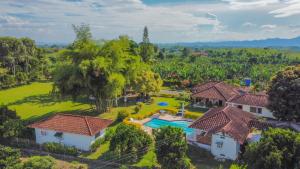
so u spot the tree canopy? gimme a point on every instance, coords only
(284, 94)
(10, 124)
(171, 148)
(21, 61)
(277, 149)
(101, 71)
(130, 142)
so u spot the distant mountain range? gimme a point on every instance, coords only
(275, 43)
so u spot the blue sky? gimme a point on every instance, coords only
(167, 20)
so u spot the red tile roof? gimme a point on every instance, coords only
(230, 120)
(84, 125)
(260, 100)
(214, 90)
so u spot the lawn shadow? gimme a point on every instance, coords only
(48, 100)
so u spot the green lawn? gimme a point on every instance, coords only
(35, 100)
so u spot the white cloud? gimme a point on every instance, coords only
(250, 4)
(249, 24)
(269, 26)
(292, 8)
(51, 20)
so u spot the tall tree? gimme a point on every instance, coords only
(171, 148)
(284, 94)
(277, 149)
(146, 48)
(146, 35)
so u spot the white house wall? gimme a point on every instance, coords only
(82, 142)
(265, 112)
(229, 150)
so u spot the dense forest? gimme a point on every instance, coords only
(185, 66)
(21, 62)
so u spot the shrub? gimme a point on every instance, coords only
(9, 157)
(136, 109)
(40, 162)
(109, 132)
(60, 149)
(77, 165)
(140, 104)
(97, 144)
(190, 115)
(122, 114)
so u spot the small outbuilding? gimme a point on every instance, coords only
(70, 130)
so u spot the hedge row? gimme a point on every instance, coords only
(60, 149)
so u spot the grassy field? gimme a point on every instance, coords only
(34, 100)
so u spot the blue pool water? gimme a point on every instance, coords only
(157, 123)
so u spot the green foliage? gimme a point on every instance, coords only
(236, 166)
(190, 115)
(9, 157)
(278, 148)
(60, 149)
(97, 144)
(284, 94)
(129, 140)
(147, 82)
(99, 71)
(39, 162)
(122, 114)
(146, 48)
(10, 124)
(20, 61)
(223, 64)
(171, 148)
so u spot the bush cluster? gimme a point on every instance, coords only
(122, 114)
(60, 149)
(190, 115)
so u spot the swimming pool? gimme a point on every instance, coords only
(157, 123)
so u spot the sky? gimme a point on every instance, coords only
(168, 21)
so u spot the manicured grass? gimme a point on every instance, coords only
(35, 100)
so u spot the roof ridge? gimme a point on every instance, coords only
(204, 118)
(220, 92)
(223, 110)
(88, 125)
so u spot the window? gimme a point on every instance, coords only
(43, 133)
(259, 110)
(240, 106)
(253, 109)
(256, 110)
(219, 144)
